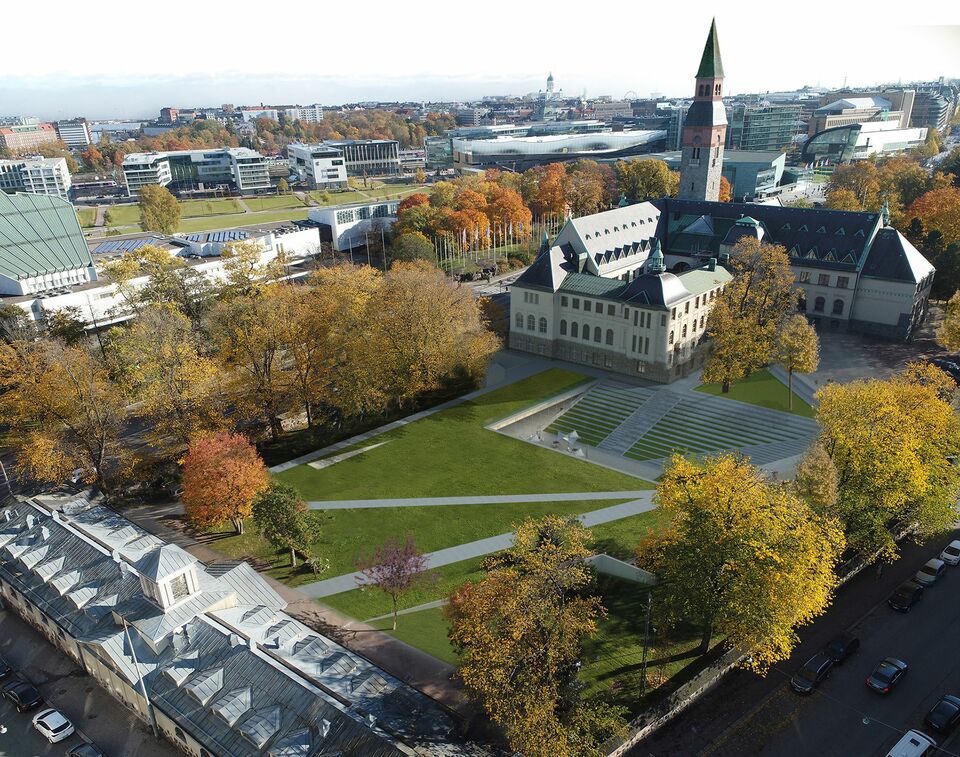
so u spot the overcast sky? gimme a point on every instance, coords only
(127, 59)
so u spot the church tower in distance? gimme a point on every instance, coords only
(705, 129)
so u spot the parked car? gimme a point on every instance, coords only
(841, 647)
(23, 695)
(814, 671)
(946, 365)
(931, 571)
(951, 553)
(52, 725)
(5, 669)
(886, 675)
(906, 596)
(85, 750)
(913, 744)
(944, 715)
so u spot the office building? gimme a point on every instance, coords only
(311, 114)
(19, 121)
(74, 133)
(25, 137)
(369, 157)
(250, 113)
(203, 653)
(234, 169)
(859, 141)
(36, 175)
(762, 127)
(319, 166)
(607, 110)
(892, 106)
(931, 110)
(348, 226)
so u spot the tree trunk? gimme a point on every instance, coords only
(309, 416)
(275, 427)
(394, 612)
(790, 388)
(293, 557)
(238, 525)
(705, 638)
(726, 385)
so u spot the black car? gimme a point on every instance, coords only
(85, 750)
(945, 714)
(906, 596)
(841, 647)
(23, 695)
(814, 670)
(886, 675)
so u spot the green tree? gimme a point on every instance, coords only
(282, 518)
(742, 556)
(67, 326)
(283, 187)
(412, 246)
(15, 325)
(797, 349)
(159, 210)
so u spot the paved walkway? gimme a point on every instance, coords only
(408, 610)
(493, 499)
(482, 547)
(328, 461)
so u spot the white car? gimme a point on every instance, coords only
(54, 726)
(951, 553)
(931, 571)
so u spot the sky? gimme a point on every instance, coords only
(129, 58)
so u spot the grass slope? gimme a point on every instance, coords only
(764, 390)
(450, 453)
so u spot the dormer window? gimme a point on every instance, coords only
(179, 588)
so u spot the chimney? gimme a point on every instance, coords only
(712, 264)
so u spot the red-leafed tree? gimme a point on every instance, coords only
(222, 474)
(394, 568)
(414, 200)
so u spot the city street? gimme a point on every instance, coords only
(79, 697)
(747, 715)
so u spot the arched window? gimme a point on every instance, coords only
(819, 304)
(531, 323)
(586, 332)
(597, 334)
(543, 325)
(179, 734)
(838, 307)
(519, 320)
(563, 328)
(574, 329)
(609, 336)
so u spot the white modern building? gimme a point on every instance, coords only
(348, 226)
(234, 169)
(860, 141)
(311, 114)
(318, 165)
(36, 175)
(74, 133)
(369, 157)
(250, 113)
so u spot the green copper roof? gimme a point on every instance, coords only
(39, 234)
(710, 64)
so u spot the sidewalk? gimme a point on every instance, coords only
(493, 499)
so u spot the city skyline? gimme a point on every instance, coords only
(494, 61)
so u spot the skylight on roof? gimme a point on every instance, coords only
(205, 684)
(261, 726)
(233, 705)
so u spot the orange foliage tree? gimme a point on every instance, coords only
(222, 474)
(414, 200)
(726, 191)
(939, 210)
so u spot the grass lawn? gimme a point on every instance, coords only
(764, 390)
(214, 223)
(450, 453)
(275, 202)
(122, 215)
(426, 630)
(87, 217)
(196, 208)
(344, 534)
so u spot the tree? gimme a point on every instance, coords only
(420, 176)
(412, 246)
(394, 567)
(222, 475)
(726, 191)
(282, 518)
(843, 199)
(66, 414)
(815, 480)
(587, 192)
(417, 199)
(797, 349)
(939, 210)
(545, 189)
(520, 630)
(245, 274)
(645, 179)
(160, 361)
(950, 166)
(283, 186)
(742, 556)
(891, 443)
(15, 325)
(948, 335)
(67, 326)
(159, 210)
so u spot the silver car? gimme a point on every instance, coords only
(951, 553)
(931, 571)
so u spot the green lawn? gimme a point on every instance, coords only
(764, 390)
(275, 202)
(197, 208)
(214, 223)
(450, 453)
(426, 630)
(122, 215)
(87, 217)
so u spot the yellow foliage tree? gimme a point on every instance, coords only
(948, 335)
(797, 349)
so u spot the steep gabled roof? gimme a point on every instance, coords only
(164, 561)
(893, 258)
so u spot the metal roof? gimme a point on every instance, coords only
(123, 245)
(710, 64)
(164, 561)
(39, 234)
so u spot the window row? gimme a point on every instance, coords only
(532, 323)
(820, 304)
(531, 297)
(823, 279)
(588, 305)
(575, 331)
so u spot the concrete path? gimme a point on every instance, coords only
(242, 204)
(101, 216)
(492, 499)
(482, 547)
(408, 611)
(328, 461)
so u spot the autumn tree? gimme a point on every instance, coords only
(726, 191)
(587, 193)
(160, 361)
(948, 334)
(891, 443)
(520, 631)
(159, 210)
(815, 480)
(939, 210)
(843, 199)
(282, 518)
(412, 246)
(283, 186)
(245, 272)
(545, 190)
(222, 475)
(417, 199)
(742, 557)
(645, 179)
(66, 415)
(395, 568)
(797, 349)
(419, 176)
(15, 325)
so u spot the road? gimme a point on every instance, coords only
(749, 715)
(103, 719)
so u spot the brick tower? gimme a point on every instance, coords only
(705, 129)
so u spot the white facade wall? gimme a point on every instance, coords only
(44, 176)
(311, 114)
(318, 166)
(74, 133)
(350, 224)
(250, 115)
(11, 287)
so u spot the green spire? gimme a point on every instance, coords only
(885, 213)
(656, 263)
(544, 243)
(623, 201)
(711, 66)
